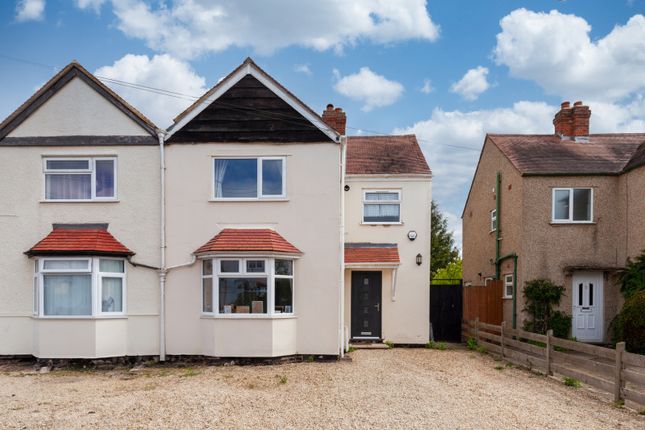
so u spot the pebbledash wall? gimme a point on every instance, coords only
(309, 218)
(406, 314)
(78, 110)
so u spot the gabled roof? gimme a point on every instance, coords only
(371, 253)
(601, 154)
(248, 67)
(79, 241)
(248, 240)
(385, 155)
(58, 81)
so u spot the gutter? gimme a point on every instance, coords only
(341, 288)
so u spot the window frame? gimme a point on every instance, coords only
(259, 196)
(91, 170)
(493, 220)
(570, 219)
(268, 274)
(93, 270)
(507, 283)
(398, 201)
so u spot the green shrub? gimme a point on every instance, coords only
(571, 382)
(560, 323)
(632, 279)
(351, 349)
(541, 296)
(389, 344)
(629, 324)
(471, 343)
(441, 346)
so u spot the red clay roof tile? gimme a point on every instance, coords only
(83, 241)
(371, 254)
(248, 240)
(385, 155)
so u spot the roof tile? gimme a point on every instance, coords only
(371, 254)
(248, 240)
(385, 155)
(79, 241)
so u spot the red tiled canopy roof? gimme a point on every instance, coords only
(371, 253)
(81, 241)
(385, 155)
(248, 240)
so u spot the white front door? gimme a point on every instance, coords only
(588, 306)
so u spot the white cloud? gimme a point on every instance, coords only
(554, 50)
(303, 68)
(472, 84)
(95, 5)
(30, 10)
(188, 28)
(160, 71)
(369, 88)
(427, 87)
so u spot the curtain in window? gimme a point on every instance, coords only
(220, 172)
(561, 204)
(271, 177)
(381, 213)
(68, 187)
(67, 294)
(114, 266)
(381, 196)
(112, 294)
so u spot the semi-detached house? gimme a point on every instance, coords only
(252, 227)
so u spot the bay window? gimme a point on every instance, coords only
(249, 178)
(82, 179)
(572, 205)
(382, 207)
(257, 286)
(79, 287)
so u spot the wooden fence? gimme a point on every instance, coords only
(615, 371)
(484, 302)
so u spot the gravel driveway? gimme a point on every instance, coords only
(399, 388)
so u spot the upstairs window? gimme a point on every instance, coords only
(572, 205)
(382, 207)
(80, 179)
(493, 220)
(249, 178)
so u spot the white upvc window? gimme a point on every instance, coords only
(249, 178)
(80, 178)
(79, 287)
(493, 220)
(381, 206)
(508, 286)
(249, 286)
(572, 205)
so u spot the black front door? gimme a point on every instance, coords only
(366, 305)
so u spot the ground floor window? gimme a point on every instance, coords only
(79, 287)
(247, 286)
(508, 286)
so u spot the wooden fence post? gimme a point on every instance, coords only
(620, 348)
(501, 336)
(477, 330)
(549, 335)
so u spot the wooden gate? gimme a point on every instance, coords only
(484, 302)
(445, 310)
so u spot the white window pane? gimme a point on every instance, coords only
(272, 177)
(382, 196)
(236, 178)
(207, 267)
(207, 295)
(283, 295)
(561, 205)
(230, 266)
(381, 213)
(66, 265)
(243, 295)
(112, 295)
(284, 267)
(68, 187)
(67, 294)
(105, 178)
(114, 266)
(35, 291)
(67, 164)
(582, 204)
(255, 266)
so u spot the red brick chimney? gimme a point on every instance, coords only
(572, 123)
(335, 118)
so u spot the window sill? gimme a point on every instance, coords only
(277, 199)
(80, 201)
(382, 223)
(77, 318)
(554, 223)
(248, 316)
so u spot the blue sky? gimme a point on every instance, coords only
(449, 71)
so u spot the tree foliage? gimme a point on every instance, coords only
(452, 271)
(443, 249)
(541, 296)
(629, 324)
(632, 279)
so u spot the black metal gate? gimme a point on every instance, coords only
(446, 309)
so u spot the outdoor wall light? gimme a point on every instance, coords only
(419, 259)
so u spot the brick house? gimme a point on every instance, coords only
(565, 206)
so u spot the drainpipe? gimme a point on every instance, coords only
(162, 235)
(498, 187)
(341, 298)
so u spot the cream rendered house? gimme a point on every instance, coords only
(226, 235)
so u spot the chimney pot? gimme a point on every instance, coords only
(565, 105)
(572, 123)
(578, 103)
(335, 118)
(330, 107)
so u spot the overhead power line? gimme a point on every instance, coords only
(175, 94)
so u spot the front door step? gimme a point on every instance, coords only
(369, 345)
